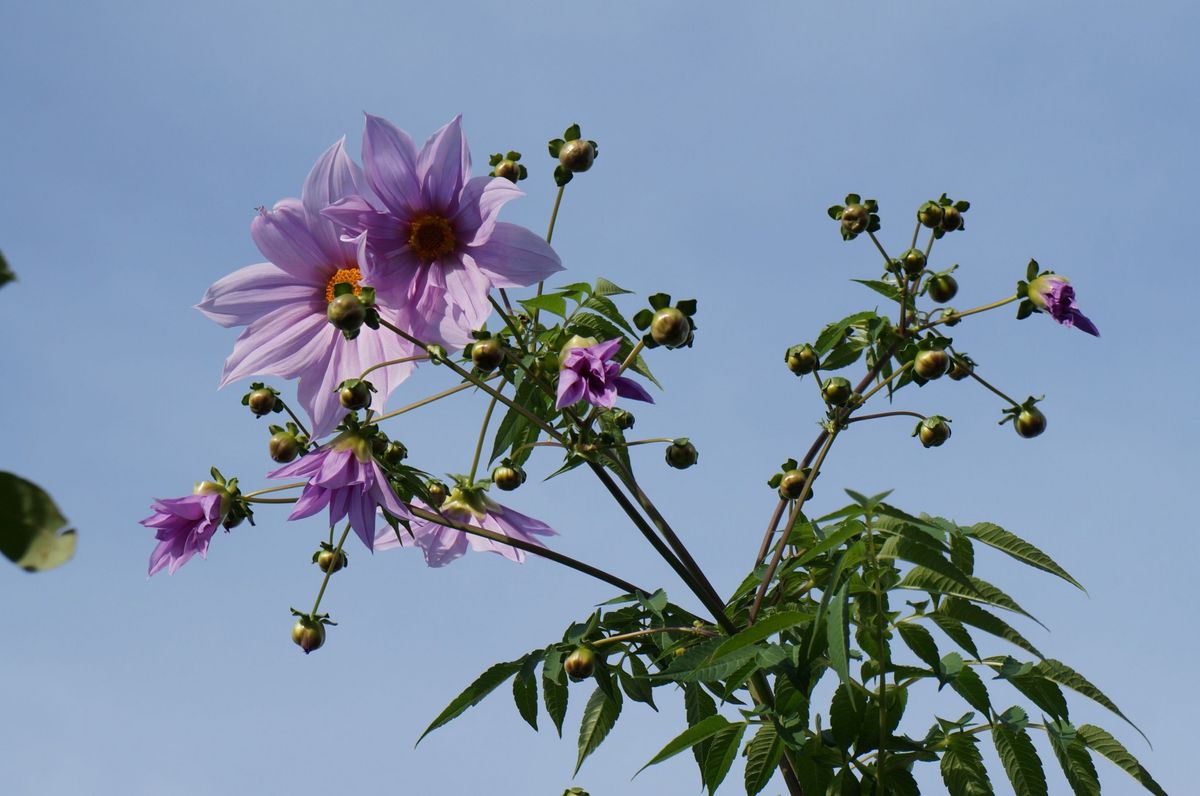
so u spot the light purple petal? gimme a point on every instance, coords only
(1083, 323)
(313, 499)
(628, 388)
(390, 162)
(334, 177)
(570, 388)
(284, 237)
(443, 166)
(467, 289)
(514, 523)
(362, 519)
(282, 343)
(256, 290)
(515, 257)
(606, 350)
(481, 200)
(441, 545)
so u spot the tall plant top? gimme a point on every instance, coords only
(380, 272)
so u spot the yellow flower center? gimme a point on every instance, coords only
(431, 237)
(350, 276)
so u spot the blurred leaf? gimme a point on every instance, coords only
(908, 547)
(604, 306)
(698, 705)
(550, 302)
(599, 717)
(30, 525)
(882, 288)
(1062, 674)
(923, 579)
(6, 274)
(836, 630)
(845, 717)
(763, 629)
(971, 614)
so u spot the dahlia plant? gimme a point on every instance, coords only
(373, 272)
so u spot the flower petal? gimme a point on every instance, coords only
(570, 388)
(334, 177)
(390, 162)
(628, 388)
(283, 343)
(515, 257)
(284, 237)
(478, 205)
(1083, 323)
(254, 291)
(443, 166)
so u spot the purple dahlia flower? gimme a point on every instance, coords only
(283, 303)
(441, 545)
(185, 526)
(590, 374)
(1053, 294)
(432, 229)
(345, 477)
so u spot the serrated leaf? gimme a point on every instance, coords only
(475, 693)
(1073, 758)
(882, 288)
(698, 705)
(605, 306)
(845, 717)
(515, 429)
(1043, 693)
(763, 754)
(550, 302)
(606, 288)
(1016, 547)
(836, 630)
(833, 539)
(525, 690)
(722, 749)
(962, 767)
(962, 553)
(599, 716)
(1021, 761)
(554, 688)
(921, 642)
(1062, 674)
(923, 579)
(636, 685)
(971, 614)
(1104, 744)
(969, 685)
(30, 525)
(763, 629)
(908, 548)
(701, 731)
(957, 633)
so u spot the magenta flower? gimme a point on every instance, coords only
(283, 303)
(345, 477)
(590, 374)
(441, 545)
(432, 229)
(1053, 294)
(185, 526)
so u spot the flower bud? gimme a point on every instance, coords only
(437, 492)
(670, 327)
(855, 219)
(261, 401)
(308, 634)
(933, 431)
(913, 262)
(942, 288)
(347, 312)
(580, 664)
(331, 561)
(1030, 422)
(931, 364)
(283, 446)
(508, 169)
(836, 391)
(578, 155)
(951, 218)
(487, 354)
(508, 476)
(622, 418)
(791, 486)
(801, 359)
(394, 453)
(681, 454)
(355, 394)
(930, 215)
(960, 369)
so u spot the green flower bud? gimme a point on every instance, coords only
(682, 454)
(942, 288)
(670, 327)
(951, 218)
(931, 364)
(394, 453)
(508, 169)
(792, 484)
(508, 476)
(284, 447)
(622, 418)
(487, 354)
(347, 312)
(801, 359)
(580, 664)
(261, 401)
(1030, 422)
(308, 634)
(331, 561)
(437, 492)
(855, 219)
(930, 215)
(578, 155)
(836, 391)
(355, 394)
(933, 431)
(913, 262)
(960, 369)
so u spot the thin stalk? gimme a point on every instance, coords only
(884, 383)
(325, 581)
(295, 419)
(637, 349)
(916, 232)
(270, 500)
(887, 261)
(510, 323)
(881, 619)
(271, 489)
(993, 389)
(390, 362)
(550, 236)
(487, 419)
(929, 246)
(695, 631)
(533, 549)
(885, 414)
(965, 313)
(772, 527)
(425, 401)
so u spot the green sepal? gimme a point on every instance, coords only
(660, 301)
(562, 176)
(572, 133)
(555, 147)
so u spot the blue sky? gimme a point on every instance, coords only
(139, 137)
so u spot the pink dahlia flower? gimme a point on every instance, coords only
(441, 545)
(590, 374)
(432, 230)
(184, 527)
(283, 303)
(345, 477)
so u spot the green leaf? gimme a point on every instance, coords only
(763, 754)
(1043, 693)
(1018, 548)
(605, 306)
(762, 630)
(29, 526)
(485, 684)
(908, 547)
(833, 540)
(554, 687)
(693, 735)
(845, 717)
(550, 302)
(606, 288)
(599, 717)
(1102, 743)
(971, 614)
(6, 274)
(722, 749)
(957, 633)
(962, 553)
(1021, 761)
(515, 429)
(1062, 674)
(698, 705)
(1073, 758)
(636, 683)
(882, 288)
(962, 767)
(525, 691)
(923, 579)
(969, 685)
(572, 133)
(921, 642)
(836, 630)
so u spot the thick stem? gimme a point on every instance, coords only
(772, 527)
(637, 349)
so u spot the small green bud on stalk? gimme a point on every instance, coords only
(933, 431)
(670, 327)
(836, 391)
(308, 634)
(792, 484)
(329, 561)
(931, 364)
(951, 218)
(284, 447)
(913, 262)
(261, 401)
(347, 312)
(578, 155)
(394, 453)
(801, 359)
(508, 169)
(855, 219)
(437, 492)
(681, 454)
(959, 369)
(487, 354)
(930, 215)
(508, 477)
(355, 394)
(622, 418)
(943, 288)
(580, 664)
(1030, 422)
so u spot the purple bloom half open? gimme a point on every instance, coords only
(441, 545)
(432, 230)
(344, 477)
(283, 303)
(589, 374)
(184, 527)
(1053, 294)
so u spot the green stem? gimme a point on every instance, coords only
(270, 500)
(887, 261)
(487, 418)
(884, 383)
(695, 631)
(993, 389)
(896, 413)
(881, 619)
(637, 349)
(390, 362)
(271, 489)
(295, 419)
(425, 401)
(772, 527)
(325, 581)
(929, 246)
(916, 232)
(965, 313)
(549, 236)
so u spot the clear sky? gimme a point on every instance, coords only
(137, 139)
